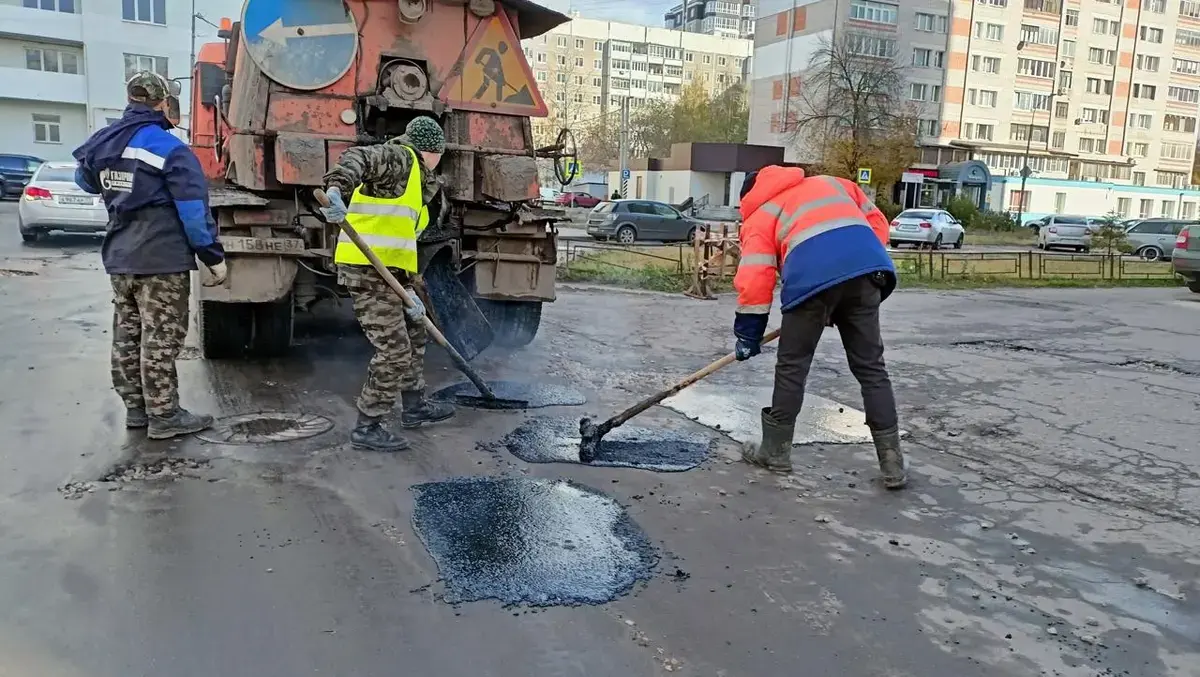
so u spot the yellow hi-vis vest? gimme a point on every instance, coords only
(389, 226)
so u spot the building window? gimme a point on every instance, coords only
(578, 98)
(1068, 49)
(1090, 145)
(561, 78)
(1094, 115)
(51, 61)
(1183, 94)
(1178, 151)
(1137, 148)
(1168, 209)
(66, 6)
(1171, 179)
(985, 64)
(597, 64)
(1187, 38)
(1021, 132)
(1047, 6)
(562, 60)
(1123, 205)
(869, 45)
(596, 82)
(928, 58)
(1031, 101)
(541, 57)
(1102, 56)
(1062, 109)
(142, 62)
(598, 46)
(721, 61)
(979, 131)
(707, 58)
(1105, 26)
(1185, 66)
(1141, 91)
(145, 11)
(1140, 121)
(1039, 35)
(875, 12)
(989, 31)
(1018, 199)
(1060, 203)
(931, 23)
(541, 76)
(1139, 178)
(1190, 8)
(1144, 207)
(562, 41)
(922, 92)
(47, 128)
(1150, 34)
(1179, 123)
(579, 43)
(1072, 18)
(928, 128)
(994, 3)
(984, 98)
(1035, 68)
(1058, 140)
(1064, 81)
(560, 97)
(1189, 211)
(596, 99)
(1098, 86)
(1156, 6)
(1148, 63)
(579, 79)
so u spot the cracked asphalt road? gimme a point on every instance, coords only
(1051, 528)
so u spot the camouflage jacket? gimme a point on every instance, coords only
(382, 171)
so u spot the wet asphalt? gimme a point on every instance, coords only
(1051, 527)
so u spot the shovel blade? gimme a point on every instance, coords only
(455, 311)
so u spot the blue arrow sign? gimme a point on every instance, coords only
(302, 44)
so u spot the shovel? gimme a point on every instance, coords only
(488, 398)
(590, 433)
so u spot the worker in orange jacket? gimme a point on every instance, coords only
(825, 238)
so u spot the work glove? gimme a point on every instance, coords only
(417, 311)
(746, 348)
(217, 276)
(336, 211)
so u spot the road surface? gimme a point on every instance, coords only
(1051, 528)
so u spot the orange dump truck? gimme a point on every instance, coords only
(295, 83)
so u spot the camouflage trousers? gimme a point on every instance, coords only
(150, 320)
(399, 361)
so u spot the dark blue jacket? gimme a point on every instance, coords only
(156, 194)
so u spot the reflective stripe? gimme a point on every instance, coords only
(785, 225)
(761, 309)
(382, 209)
(823, 227)
(772, 209)
(381, 241)
(758, 260)
(840, 187)
(155, 161)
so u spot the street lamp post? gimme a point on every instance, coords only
(1025, 170)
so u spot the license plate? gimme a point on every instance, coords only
(263, 245)
(908, 228)
(74, 200)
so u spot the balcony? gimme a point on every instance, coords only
(42, 24)
(22, 83)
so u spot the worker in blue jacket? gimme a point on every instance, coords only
(159, 223)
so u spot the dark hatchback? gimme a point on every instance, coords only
(15, 172)
(628, 221)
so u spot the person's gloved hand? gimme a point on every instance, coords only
(746, 348)
(218, 274)
(417, 311)
(336, 211)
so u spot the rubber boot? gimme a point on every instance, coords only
(369, 434)
(775, 451)
(891, 459)
(418, 411)
(182, 422)
(136, 418)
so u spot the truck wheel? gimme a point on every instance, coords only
(1194, 285)
(226, 329)
(273, 324)
(514, 323)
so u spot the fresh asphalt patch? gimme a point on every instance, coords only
(537, 395)
(542, 439)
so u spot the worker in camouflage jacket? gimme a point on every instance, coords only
(384, 192)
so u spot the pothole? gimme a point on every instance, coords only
(169, 469)
(13, 272)
(266, 427)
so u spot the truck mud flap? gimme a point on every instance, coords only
(455, 312)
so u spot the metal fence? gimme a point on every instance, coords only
(1028, 265)
(676, 257)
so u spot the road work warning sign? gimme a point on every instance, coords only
(492, 75)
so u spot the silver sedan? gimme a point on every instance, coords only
(54, 202)
(926, 228)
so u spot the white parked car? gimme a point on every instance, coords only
(1067, 232)
(926, 228)
(53, 201)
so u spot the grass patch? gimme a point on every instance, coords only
(1023, 237)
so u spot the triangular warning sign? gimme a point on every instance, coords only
(492, 75)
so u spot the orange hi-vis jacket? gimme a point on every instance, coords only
(814, 232)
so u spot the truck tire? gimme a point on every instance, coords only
(1194, 285)
(514, 323)
(237, 330)
(226, 329)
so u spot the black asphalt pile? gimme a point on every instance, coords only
(556, 440)
(525, 541)
(536, 394)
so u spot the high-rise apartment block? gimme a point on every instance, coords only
(585, 67)
(1075, 90)
(713, 17)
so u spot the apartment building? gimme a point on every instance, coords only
(584, 68)
(63, 64)
(1101, 91)
(713, 17)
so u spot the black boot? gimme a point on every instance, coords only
(136, 418)
(891, 459)
(182, 422)
(369, 434)
(418, 411)
(775, 452)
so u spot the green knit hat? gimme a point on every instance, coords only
(426, 134)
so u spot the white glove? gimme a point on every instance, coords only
(417, 311)
(218, 274)
(336, 211)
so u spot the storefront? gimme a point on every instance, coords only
(935, 187)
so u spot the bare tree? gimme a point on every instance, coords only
(849, 110)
